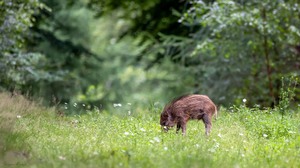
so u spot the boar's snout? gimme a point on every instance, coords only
(165, 128)
(167, 125)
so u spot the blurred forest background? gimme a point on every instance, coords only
(101, 52)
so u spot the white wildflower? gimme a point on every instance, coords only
(257, 105)
(180, 20)
(212, 150)
(265, 135)
(219, 135)
(165, 148)
(61, 157)
(126, 133)
(156, 139)
(117, 105)
(244, 100)
(18, 116)
(142, 129)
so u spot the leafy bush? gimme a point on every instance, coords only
(240, 48)
(287, 95)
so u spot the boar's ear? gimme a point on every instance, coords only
(168, 111)
(164, 113)
(170, 116)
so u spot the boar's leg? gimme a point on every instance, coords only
(178, 127)
(207, 121)
(183, 127)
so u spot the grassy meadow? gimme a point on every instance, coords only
(35, 136)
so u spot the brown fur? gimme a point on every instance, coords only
(187, 107)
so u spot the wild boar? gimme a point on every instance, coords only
(185, 108)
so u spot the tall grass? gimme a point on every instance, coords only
(14, 148)
(241, 137)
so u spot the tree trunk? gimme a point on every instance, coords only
(267, 58)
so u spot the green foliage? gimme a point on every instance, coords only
(98, 60)
(60, 36)
(107, 52)
(145, 16)
(119, 77)
(16, 18)
(18, 66)
(245, 138)
(242, 49)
